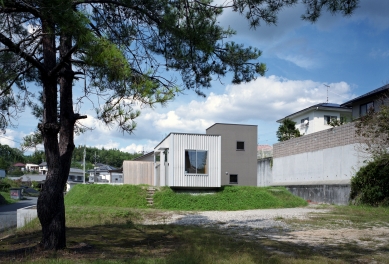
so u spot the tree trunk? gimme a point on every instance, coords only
(50, 207)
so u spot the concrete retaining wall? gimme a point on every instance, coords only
(264, 172)
(26, 215)
(331, 194)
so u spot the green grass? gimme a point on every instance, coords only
(229, 198)
(5, 198)
(132, 196)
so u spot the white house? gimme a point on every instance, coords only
(32, 167)
(105, 174)
(43, 168)
(188, 160)
(316, 118)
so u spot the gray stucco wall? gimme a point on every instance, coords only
(233, 161)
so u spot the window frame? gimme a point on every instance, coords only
(367, 107)
(240, 149)
(196, 165)
(326, 122)
(231, 182)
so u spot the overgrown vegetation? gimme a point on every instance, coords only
(370, 183)
(228, 198)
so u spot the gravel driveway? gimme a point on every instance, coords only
(268, 223)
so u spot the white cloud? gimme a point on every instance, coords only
(7, 140)
(264, 100)
(267, 98)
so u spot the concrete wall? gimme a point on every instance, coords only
(331, 194)
(319, 166)
(240, 162)
(264, 172)
(330, 138)
(25, 215)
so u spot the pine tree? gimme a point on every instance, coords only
(287, 130)
(121, 49)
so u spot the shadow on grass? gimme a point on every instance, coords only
(174, 244)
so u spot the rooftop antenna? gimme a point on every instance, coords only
(327, 90)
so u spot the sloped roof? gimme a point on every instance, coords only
(19, 164)
(321, 106)
(144, 156)
(377, 92)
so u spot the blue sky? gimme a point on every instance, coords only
(350, 54)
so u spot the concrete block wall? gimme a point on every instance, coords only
(330, 138)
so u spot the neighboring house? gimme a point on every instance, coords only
(43, 168)
(103, 173)
(316, 118)
(76, 176)
(27, 179)
(19, 165)
(146, 157)
(361, 104)
(264, 151)
(32, 167)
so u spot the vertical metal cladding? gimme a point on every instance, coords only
(182, 142)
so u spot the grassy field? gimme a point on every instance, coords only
(114, 235)
(112, 231)
(5, 198)
(227, 198)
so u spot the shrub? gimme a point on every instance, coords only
(370, 184)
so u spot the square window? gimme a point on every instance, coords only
(240, 145)
(196, 161)
(364, 108)
(328, 119)
(233, 178)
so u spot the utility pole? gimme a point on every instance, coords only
(84, 163)
(94, 176)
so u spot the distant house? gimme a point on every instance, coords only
(373, 99)
(32, 167)
(264, 151)
(103, 173)
(43, 168)
(76, 176)
(19, 165)
(225, 155)
(317, 117)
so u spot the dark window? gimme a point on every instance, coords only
(196, 161)
(328, 119)
(233, 178)
(364, 108)
(240, 145)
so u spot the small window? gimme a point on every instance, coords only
(240, 145)
(328, 119)
(233, 179)
(364, 108)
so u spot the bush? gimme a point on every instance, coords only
(370, 184)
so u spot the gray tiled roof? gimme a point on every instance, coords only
(374, 92)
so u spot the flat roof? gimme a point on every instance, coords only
(321, 106)
(228, 124)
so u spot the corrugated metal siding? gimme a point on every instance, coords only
(138, 172)
(182, 142)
